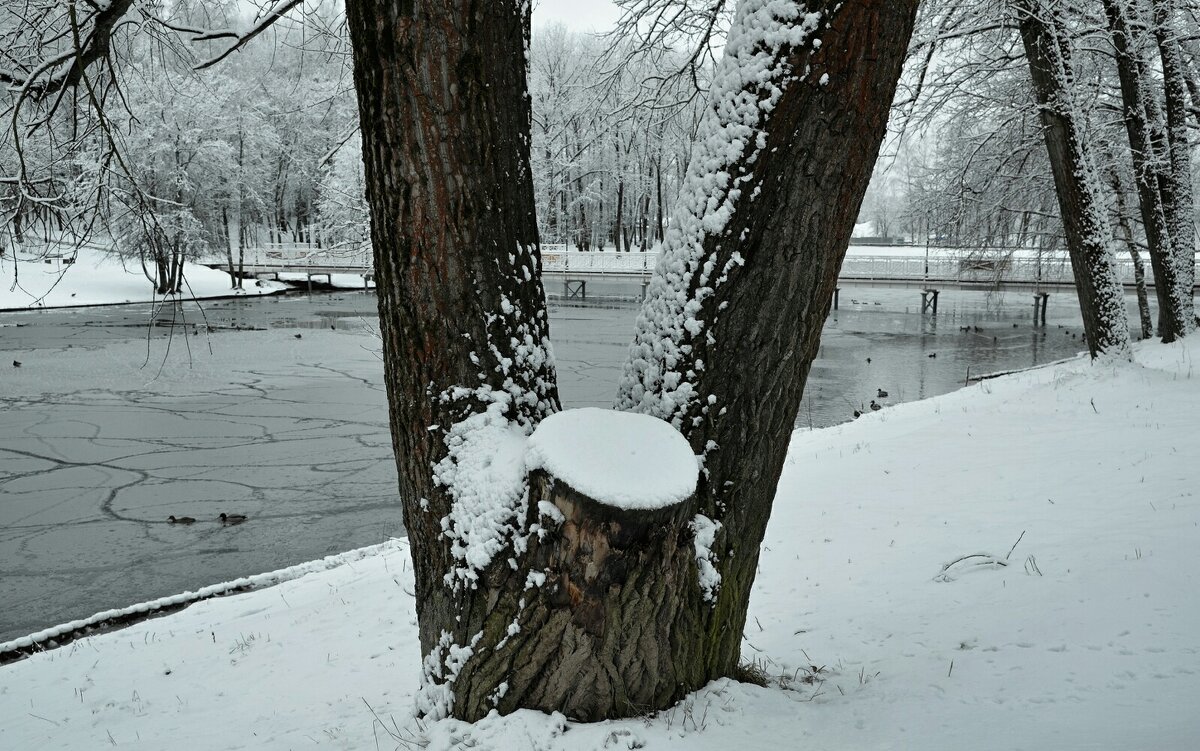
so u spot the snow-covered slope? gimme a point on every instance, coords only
(1074, 486)
(97, 279)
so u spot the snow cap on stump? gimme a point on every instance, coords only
(621, 459)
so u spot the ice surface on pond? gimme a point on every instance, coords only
(98, 446)
(622, 459)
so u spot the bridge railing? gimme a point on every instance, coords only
(557, 262)
(1050, 270)
(302, 255)
(942, 264)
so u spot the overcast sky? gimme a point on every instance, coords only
(580, 15)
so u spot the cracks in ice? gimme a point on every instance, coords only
(89, 477)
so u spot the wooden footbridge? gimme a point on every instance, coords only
(929, 270)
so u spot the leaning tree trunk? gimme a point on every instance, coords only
(1151, 167)
(1180, 216)
(1081, 205)
(529, 593)
(1121, 219)
(445, 124)
(750, 261)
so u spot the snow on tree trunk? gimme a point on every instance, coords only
(1121, 220)
(1081, 205)
(749, 264)
(1179, 213)
(445, 126)
(1157, 196)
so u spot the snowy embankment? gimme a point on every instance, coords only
(1008, 566)
(98, 279)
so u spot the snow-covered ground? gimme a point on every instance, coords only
(98, 279)
(1074, 626)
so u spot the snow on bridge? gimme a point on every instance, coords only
(869, 265)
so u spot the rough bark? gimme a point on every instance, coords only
(607, 633)
(1089, 240)
(445, 123)
(760, 311)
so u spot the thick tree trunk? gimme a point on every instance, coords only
(1151, 165)
(726, 361)
(445, 124)
(1101, 297)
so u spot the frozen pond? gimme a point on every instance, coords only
(104, 433)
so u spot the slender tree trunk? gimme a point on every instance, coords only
(1180, 212)
(233, 279)
(658, 221)
(618, 228)
(1101, 297)
(241, 263)
(1139, 269)
(1151, 165)
(241, 157)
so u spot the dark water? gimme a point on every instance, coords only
(877, 339)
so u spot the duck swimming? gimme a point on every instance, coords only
(232, 518)
(875, 407)
(882, 394)
(180, 520)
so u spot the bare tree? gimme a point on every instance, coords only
(1163, 181)
(1081, 204)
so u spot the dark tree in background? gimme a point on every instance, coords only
(1081, 204)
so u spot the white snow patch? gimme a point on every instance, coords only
(484, 473)
(705, 531)
(748, 84)
(95, 278)
(441, 667)
(622, 459)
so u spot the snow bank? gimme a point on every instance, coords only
(98, 279)
(50, 637)
(622, 459)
